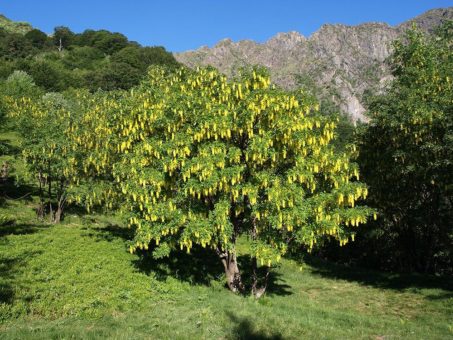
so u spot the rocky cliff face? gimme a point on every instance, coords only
(342, 61)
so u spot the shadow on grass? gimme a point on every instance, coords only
(203, 266)
(275, 284)
(109, 232)
(9, 189)
(8, 269)
(440, 296)
(7, 148)
(244, 329)
(75, 209)
(21, 228)
(6, 290)
(380, 279)
(200, 267)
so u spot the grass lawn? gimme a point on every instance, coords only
(77, 280)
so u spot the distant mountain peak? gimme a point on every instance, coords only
(286, 41)
(291, 35)
(224, 42)
(343, 61)
(429, 20)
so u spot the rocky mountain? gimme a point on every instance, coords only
(341, 61)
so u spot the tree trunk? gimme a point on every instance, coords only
(49, 193)
(61, 201)
(257, 292)
(58, 214)
(232, 273)
(40, 210)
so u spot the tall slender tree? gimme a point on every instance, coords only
(407, 156)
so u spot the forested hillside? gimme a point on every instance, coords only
(91, 59)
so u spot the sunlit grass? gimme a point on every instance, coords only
(78, 280)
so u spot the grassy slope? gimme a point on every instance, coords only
(76, 280)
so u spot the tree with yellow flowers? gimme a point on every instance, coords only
(197, 160)
(45, 125)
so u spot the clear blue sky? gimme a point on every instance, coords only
(183, 25)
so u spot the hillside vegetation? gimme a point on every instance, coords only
(91, 59)
(14, 26)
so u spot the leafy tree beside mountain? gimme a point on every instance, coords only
(406, 156)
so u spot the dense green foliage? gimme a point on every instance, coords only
(406, 156)
(44, 124)
(17, 85)
(91, 59)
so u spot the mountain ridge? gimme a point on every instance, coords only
(343, 61)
